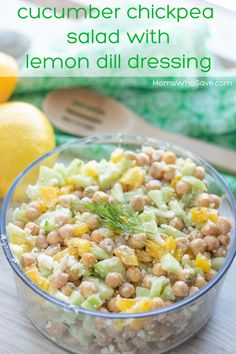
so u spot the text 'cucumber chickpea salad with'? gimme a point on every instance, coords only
(131, 234)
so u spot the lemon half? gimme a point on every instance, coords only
(25, 135)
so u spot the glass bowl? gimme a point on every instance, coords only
(82, 331)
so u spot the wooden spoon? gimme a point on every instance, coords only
(85, 113)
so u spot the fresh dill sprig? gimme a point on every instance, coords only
(117, 217)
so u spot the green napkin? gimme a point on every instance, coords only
(205, 113)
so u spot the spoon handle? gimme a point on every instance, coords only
(221, 158)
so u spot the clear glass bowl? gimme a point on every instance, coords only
(82, 331)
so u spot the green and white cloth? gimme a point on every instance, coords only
(205, 113)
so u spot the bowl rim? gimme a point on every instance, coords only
(118, 138)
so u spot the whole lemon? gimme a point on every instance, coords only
(25, 135)
(8, 76)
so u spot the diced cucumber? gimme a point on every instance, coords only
(110, 265)
(217, 263)
(188, 168)
(142, 292)
(171, 231)
(167, 194)
(82, 181)
(74, 167)
(46, 174)
(100, 253)
(109, 172)
(196, 184)
(59, 295)
(117, 193)
(170, 264)
(76, 298)
(158, 285)
(93, 302)
(157, 197)
(15, 234)
(168, 294)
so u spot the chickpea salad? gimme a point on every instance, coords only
(133, 233)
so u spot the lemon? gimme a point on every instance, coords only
(8, 76)
(25, 134)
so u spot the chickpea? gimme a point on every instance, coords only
(107, 244)
(86, 237)
(210, 229)
(61, 220)
(220, 252)
(96, 236)
(93, 222)
(89, 191)
(224, 225)
(198, 246)
(157, 155)
(20, 224)
(65, 200)
(182, 243)
(214, 201)
(177, 223)
(88, 260)
(210, 275)
(111, 305)
(143, 256)
(137, 241)
(126, 290)
(182, 187)
(67, 230)
(31, 213)
(81, 207)
(137, 202)
(78, 194)
(59, 279)
(187, 275)
(147, 200)
(169, 174)
(87, 288)
(53, 250)
(28, 259)
(194, 234)
(153, 184)
(119, 240)
(169, 157)
(134, 275)
(157, 303)
(98, 196)
(41, 241)
(113, 280)
(143, 160)
(199, 172)
(180, 289)
(130, 155)
(147, 282)
(204, 200)
(34, 228)
(157, 270)
(212, 243)
(155, 170)
(193, 290)
(73, 276)
(224, 240)
(148, 150)
(53, 237)
(200, 282)
(68, 289)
